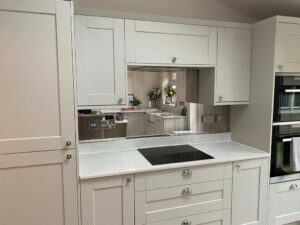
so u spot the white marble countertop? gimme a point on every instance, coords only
(103, 164)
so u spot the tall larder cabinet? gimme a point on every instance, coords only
(37, 120)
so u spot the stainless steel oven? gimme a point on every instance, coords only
(287, 99)
(286, 126)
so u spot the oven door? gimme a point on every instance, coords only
(281, 152)
(287, 99)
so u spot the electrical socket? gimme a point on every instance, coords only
(208, 118)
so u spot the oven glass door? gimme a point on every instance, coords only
(281, 148)
(287, 99)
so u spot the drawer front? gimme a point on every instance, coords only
(284, 203)
(177, 177)
(211, 218)
(169, 203)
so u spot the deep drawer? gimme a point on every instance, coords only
(177, 177)
(211, 218)
(174, 202)
(284, 202)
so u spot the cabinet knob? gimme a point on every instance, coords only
(174, 59)
(128, 180)
(238, 166)
(186, 172)
(186, 191)
(120, 101)
(293, 187)
(280, 67)
(186, 222)
(68, 143)
(69, 156)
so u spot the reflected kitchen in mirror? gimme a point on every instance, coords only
(160, 101)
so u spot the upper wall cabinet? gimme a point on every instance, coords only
(287, 48)
(100, 61)
(36, 76)
(229, 83)
(170, 43)
(233, 69)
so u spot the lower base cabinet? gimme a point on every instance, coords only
(108, 201)
(38, 188)
(215, 194)
(284, 203)
(249, 192)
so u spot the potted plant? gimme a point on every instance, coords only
(170, 92)
(154, 95)
(136, 102)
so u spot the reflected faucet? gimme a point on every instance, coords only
(167, 102)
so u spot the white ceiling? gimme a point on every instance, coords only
(261, 9)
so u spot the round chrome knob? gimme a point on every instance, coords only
(280, 67)
(68, 143)
(174, 59)
(186, 222)
(293, 187)
(186, 191)
(128, 180)
(69, 156)
(186, 172)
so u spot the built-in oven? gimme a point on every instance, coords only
(282, 139)
(286, 99)
(286, 127)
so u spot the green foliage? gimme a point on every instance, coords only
(136, 101)
(155, 94)
(170, 91)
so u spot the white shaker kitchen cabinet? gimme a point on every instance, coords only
(100, 61)
(36, 81)
(108, 201)
(284, 204)
(249, 193)
(233, 69)
(38, 188)
(169, 43)
(287, 48)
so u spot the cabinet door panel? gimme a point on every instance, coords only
(100, 61)
(169, 43)
(287, 48)
(108, 201)
(284, 204)
(249, 193)
(38, 188)
(36, 80)
(233, 70)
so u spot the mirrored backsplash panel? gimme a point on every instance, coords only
(158, 103)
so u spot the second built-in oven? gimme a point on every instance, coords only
(286, 127)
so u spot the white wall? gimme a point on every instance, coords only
(200, 9)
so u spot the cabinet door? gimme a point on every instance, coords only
(100, 61)
(288, 48)
(284, 204)
(108, 201)
(249, 193)
(170, 43)
(233, 69)
(36, 82)
(38, 188)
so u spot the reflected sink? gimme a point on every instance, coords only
(165, 114)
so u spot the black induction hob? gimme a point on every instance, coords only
(173, 154)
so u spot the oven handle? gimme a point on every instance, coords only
(286, 123)
(292, 90)
(287, 140)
